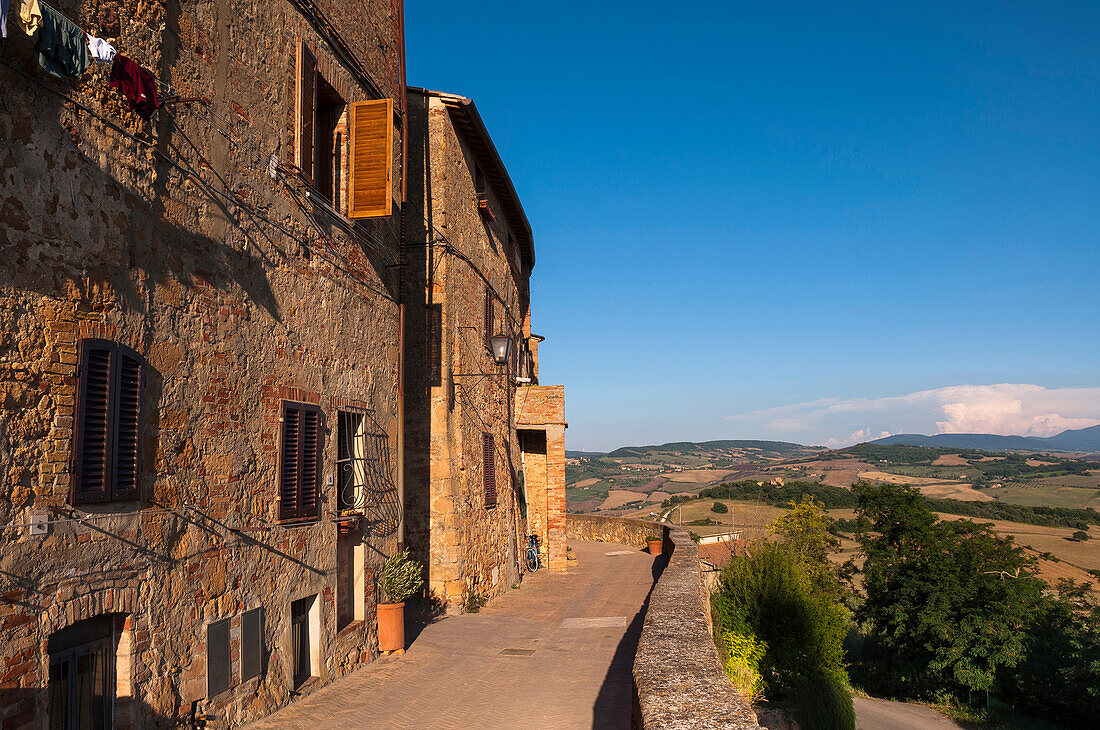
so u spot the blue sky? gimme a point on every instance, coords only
(791, 220)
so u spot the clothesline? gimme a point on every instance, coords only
(313, 200)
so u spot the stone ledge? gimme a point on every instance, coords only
(678, 678)
(623, 530)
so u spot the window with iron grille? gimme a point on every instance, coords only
(219, 670)
(252, 643)
(489, 468)
(106, 452)
(300, 462)
(351, 460)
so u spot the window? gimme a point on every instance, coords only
(351, 460)
(82, 672)
(345, 581)
(301, 618)
(489, 468)
(330, 121)
(252, 643)
(488, 318)
(323, 121)
(106, 439)
(300, 467)
(219, 670)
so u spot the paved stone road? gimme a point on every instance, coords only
(872, 714)
(454, 675)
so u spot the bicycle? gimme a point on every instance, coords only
(532, 554)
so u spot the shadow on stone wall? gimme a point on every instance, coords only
(614, 704)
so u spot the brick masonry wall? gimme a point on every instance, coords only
(239, 295)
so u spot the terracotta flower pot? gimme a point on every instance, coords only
(391, 627)
(655, 546)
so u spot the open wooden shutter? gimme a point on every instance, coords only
(305, 110)
(489, 468)
(311, 463)
(92, 435)
(370, 172)
(289, 474)
(128, 382)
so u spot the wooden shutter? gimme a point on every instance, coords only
(300, 470)
(369, 179)
(128, 382)
(305, 111)
(92, 433)
(489, 468)
(218, 662)
(311, 463)
(289, 468)
(252, 643)
(488, 318)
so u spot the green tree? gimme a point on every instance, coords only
(719, 508)
(767, 600)
(804, 530)
(948, 602)
(1059, 677)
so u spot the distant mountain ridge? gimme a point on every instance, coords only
(1081, 439)
(704, 446)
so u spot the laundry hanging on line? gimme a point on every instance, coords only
(65, 50)
(30, 16)
(138, 84)
(62, 47)
(102, 51)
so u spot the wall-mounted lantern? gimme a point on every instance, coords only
(502, 348)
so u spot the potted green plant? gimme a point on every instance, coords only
(654, 544)
(401, 577)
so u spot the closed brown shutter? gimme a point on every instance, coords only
(488, 318)
(127, 450)
(305, 109)
(300, 467)
(92, 432)
(370, 189)
(311, 463)
(489, 468)
(289, 468)
(219, 662)
(252, 643)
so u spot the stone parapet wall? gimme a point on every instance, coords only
(679, 683)
(613, 529)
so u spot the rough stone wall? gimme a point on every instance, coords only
(679, 682)
(467, 545)
(622, 530)
(540, 414)
(239, 294)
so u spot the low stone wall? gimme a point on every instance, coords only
(679, 682)
(598, 528)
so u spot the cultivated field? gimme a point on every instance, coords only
(753, 520)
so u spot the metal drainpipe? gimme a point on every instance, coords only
(401, 295)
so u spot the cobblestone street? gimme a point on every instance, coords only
(459, 673)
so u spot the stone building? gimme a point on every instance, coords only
(200, 360)
(486, 441)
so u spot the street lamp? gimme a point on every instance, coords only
(501, 345)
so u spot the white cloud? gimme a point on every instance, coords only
(1006, 408)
